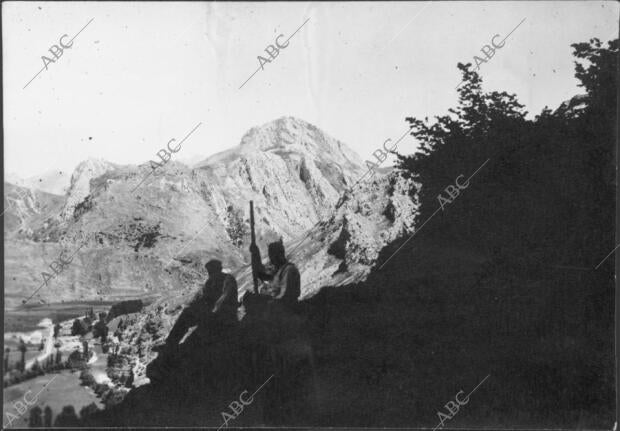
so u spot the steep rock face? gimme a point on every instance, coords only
(343, 247)
(25, 209)
(79, 186)
(292, 171)
(20, 203)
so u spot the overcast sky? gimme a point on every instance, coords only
(143, 73)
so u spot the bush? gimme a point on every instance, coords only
(88, 410)
(87, 379)
(79, 327)
(114, 397)
(100, 330)
(101, 389)
(237, 228)
(76, 360)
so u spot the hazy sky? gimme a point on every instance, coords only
(142, 73)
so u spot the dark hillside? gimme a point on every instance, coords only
(394, 350)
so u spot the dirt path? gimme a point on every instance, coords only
(49, 347)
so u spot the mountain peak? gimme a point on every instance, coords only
(290, 135)
(79, 187)
(287, 129)
(93, 164)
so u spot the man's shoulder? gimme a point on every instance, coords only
(229, 278)
(290, 268)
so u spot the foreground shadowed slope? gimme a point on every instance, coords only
(394, 350)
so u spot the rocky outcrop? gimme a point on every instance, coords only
(30, 214)
(293, 172)
(80, 185)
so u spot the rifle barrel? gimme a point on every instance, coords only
(253, 239)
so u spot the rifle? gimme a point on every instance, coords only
(253, 242)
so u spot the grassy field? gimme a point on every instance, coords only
(63, 390)
(15, 356)
(27, 317)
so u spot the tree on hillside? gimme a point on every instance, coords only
(88, 411)
(236, 227)
(47, 417)
(7, 353)
(36, 367)
(100, 329)
(67, 418)
(539, 217)
(79, 327)
(23, 349)
(35, 417)
(545, 177)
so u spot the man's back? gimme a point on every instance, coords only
(220, 292)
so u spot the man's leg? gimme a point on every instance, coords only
(180, 328)
(168, 353)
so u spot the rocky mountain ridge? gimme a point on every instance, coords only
(156, 239)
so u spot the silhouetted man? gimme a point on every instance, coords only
(281, 330)
(283, 282)
(217, 304)
(213, 311)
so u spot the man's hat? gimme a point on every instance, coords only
(276, 248)
(214, 265)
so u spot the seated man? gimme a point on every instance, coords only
(281, 342)
(283, 283)
(281, 318)
(217, 302)
(214, 311)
